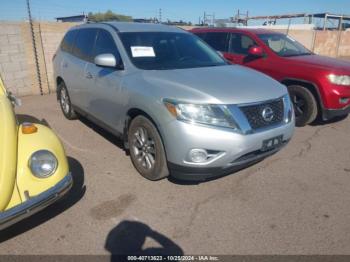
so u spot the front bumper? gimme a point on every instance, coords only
(331, 95)
(236, 150)
(190, 173)
(331, 113)
(35, 204)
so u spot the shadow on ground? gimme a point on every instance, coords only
(102, 132)
(128, 237)
(74, 195)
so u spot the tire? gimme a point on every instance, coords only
(305, 105)
(146, 149)
(65, 103)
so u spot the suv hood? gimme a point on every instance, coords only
(231, 84)
(322, 62)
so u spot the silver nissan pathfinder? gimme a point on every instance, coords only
(180, 108)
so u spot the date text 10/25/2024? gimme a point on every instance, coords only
(173, 258)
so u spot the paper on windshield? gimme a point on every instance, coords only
(142, 51)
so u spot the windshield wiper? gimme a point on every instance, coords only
(301, 54)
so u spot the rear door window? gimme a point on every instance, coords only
(217, 40)
(68, 41)
(85, 43)
(201, 35)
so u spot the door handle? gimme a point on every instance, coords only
(89, 75)
(65, 65)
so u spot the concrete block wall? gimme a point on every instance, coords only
(326, 43)
(51, 37)
(17, 59)
(13, 59)
(306, 37)
(344, 47)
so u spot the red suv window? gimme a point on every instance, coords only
(217, 40)
(240, 44)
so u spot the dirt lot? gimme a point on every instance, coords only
(296, 202)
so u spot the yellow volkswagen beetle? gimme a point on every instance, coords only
(34, 169)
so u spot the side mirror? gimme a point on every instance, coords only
(256, 51)
(106, 60)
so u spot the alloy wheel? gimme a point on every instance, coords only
(65, 103)
(143, 146)
(299, 105)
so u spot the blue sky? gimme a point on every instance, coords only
(188, 10)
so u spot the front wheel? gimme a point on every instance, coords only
(65, 102)
(146, 149)
(305, 105)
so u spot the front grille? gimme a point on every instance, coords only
(255, 114)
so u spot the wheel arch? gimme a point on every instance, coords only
(130, 115)
(312, 87)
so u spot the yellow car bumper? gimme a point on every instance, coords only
(36, 204)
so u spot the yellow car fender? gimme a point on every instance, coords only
(44, 139)
(8, 149)
(2, 88)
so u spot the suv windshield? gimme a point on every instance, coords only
(284, 45)
(165, 50)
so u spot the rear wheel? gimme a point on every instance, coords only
(146, 149)
(305, 105)
(65, 102)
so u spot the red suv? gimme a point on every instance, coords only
(317, 85)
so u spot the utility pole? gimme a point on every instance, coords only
(209, 19)
(34, 47)
(160, 15)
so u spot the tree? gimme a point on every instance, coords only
(107, 16)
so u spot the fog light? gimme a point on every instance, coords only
(344, 100)
(198, 155)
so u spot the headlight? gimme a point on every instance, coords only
(288, 107)
(342, 80)
(214, 115)
(43, 164)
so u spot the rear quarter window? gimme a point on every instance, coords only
(68, 41)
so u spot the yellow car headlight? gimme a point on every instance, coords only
(43, 164)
